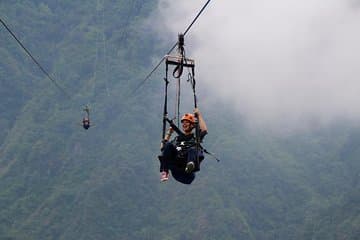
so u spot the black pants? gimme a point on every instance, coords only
(176, 161)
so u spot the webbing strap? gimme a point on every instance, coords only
(165, 102)
(191, 79)
(178, 70)
(177, 107)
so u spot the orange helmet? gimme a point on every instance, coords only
(188, 116)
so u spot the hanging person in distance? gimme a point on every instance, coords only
(183, 154)
(86, 119)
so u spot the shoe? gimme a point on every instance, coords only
(189, 167)
(164, 176)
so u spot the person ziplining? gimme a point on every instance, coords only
(182, 155)
(86, 119)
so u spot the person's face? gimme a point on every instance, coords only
(187, 126)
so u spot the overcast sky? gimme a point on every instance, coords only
(274, 61)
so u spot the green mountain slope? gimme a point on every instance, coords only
(58, 181)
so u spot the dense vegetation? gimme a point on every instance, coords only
(58, 181)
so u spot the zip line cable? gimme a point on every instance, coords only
(197, 16)
(106, 75)
(92, 85)
(34, 60)
(173, 47)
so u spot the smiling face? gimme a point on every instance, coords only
(187, 126)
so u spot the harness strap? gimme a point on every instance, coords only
(178, 70)
(165, 102)
(177, 107)
(191, 79)
(180, 67)
(211, 154)
(176, 129)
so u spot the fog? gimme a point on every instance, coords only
(274, 62)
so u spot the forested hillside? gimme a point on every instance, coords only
(59, 181)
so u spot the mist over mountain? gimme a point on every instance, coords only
(59, 181)
(277, 63)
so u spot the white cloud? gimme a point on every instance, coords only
(274, 61)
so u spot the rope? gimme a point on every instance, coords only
(178, 71)
(96, 53)
(172, 48)
(177, 107)
(104, 46)
(197, 16)
(34, 60)
(165, 102)
(191, 79)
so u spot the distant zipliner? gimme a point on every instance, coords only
(86, 118)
